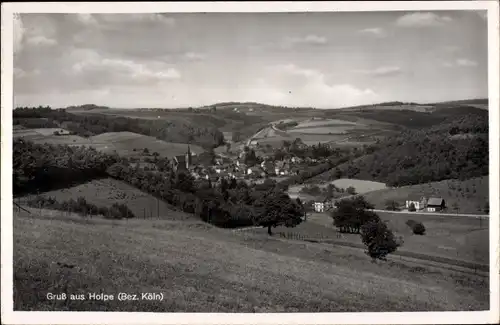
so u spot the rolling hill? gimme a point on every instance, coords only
(199, 268)
(470, 196)
(457, 148)
(130, 144)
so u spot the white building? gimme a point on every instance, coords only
(415, 203)
(319, 206)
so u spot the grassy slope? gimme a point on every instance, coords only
(458, 238)
(202, 269)
(47, 136)
(361, 186)
(468, 194)
(125, 143)
(105, 192)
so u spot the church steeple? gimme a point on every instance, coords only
(188, 157)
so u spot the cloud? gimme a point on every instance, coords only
(290, 42)
(91, 64)
(466, 63)
(382, 71)
(308, 87)
(20, 73)
(422, 19)
(40, 40)
(375, 31)
(19, 31)
(86, 19)
(193, 56)
(305, 40)
(98, 19)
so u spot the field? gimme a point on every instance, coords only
(322, 130)
(361, 186)
(125, 142)
(456, 238)
(352, 131)
(105, 192)
(326, 126)
(470, 196)
(199, 268)
(46, 135)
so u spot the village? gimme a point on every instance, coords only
(243, 164)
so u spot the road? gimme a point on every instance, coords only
(477, 216)
(272, 125)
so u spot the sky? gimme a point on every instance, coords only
(324, 60)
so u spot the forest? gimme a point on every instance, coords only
(92, 124)
(454, 149)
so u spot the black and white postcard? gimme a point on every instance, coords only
(250, 162)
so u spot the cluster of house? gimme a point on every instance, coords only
(228, 168)
(433, 204)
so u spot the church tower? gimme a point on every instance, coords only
(188, 158)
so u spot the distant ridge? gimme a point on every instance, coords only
(86, 107)
(389, 105)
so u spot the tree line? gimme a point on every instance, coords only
(82, 207)
(43, 167)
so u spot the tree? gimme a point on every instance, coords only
(350, 214)
(275, 209)
(418, 228)
(146, 151)
(391, 205)
(412, 208)
(378, 239)
(351, 190)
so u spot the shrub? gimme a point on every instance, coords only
(419, 229)
(412, 208)
(351, 190)
(391, 205)
(378, 239)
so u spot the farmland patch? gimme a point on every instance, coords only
(105, 192)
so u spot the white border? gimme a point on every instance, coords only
(10, 317)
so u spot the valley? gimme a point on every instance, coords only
(230, 206)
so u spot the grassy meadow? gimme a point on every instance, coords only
(360, 185)
(470, 196)
(455, 238)
(105, 192)
(199, 268)
(130, 144)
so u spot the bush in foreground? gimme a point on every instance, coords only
(378, 239)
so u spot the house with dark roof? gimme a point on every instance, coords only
(435, 204)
